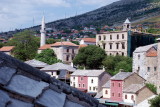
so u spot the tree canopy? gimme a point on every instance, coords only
(114, 63)
(91, 57)
(152, 87)
(48, 56)
(155, 102)
(26, 45)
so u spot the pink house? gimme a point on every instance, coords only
(82, 83)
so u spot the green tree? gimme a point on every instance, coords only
(26, 45)
(152, 87)
(75, 42)
(90, 57)
(48, 56)
(114, 63)
(155, 102)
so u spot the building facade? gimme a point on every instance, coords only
(90, 81)
(123, 42)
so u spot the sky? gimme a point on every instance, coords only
(17, 14)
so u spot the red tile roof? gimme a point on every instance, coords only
(89, 39)
(151, 54)
(6, 48)
(64, 43)
(82, 45)
(45, 46)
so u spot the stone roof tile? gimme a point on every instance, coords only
(133, 88)
(72, 104)
(18, 103)
(4, 98)
(6, 74)
(121, 75)
(51, 98)
(26, 86)
(36, 63)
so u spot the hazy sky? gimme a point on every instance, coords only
(20, 13)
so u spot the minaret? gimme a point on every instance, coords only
(127, 25)
(43, 33)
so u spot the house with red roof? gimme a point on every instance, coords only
(65, 51)
(88, 41)
(7, 49)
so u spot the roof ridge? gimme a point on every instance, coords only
(68, 90)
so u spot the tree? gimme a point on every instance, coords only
(90, 57)
(26, 45)
(155, 102)
(114, 63)
(48, 56)
(152, 87)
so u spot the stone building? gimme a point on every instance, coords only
(123, 42)
(65, 51)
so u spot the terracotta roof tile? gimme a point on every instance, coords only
(82, 45)
(45, 46)
(64, 43)
(151, 54)
(89, 39)
(6, 48)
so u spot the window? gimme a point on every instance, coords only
(67, 50)
(94, 88)
(67, 58)
(99, 37)
(110, 45)
(122, 36)
(123, 45)
(119, 84)
(122, 53)
(125, 96)
(74, 85)
(74, 78)
(106, 92)
(113, 94)
(155, 68)
(117, 53)
(79, 85)
(119, 95)
(83, 85)
(132, 97)
(72, 57)
(117, 45)
(89, 88)
(138, 70)
(112, 84)
(73, 51)
(104, 46)
(110, 37)
(148, 69)
(138, 56)
(104, 37)
(128, 26)
(92, 81)
(51, 73)
(81, 78)
(117, 36)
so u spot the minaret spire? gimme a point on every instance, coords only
(43, 32)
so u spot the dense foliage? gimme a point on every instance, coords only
(90, 57)
(155, 102)
(114, 63)
(152, 87)
(48, 56)
(26, 45)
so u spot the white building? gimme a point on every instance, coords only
(90, 81)
(65, 51)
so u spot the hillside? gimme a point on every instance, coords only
(112, 14)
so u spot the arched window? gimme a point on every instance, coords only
(125, 96)
(92, 81)
(132, 97)
(106, 92)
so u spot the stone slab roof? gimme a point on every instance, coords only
(107, 85)
(22, 85)
(36, 63)
(144, 48)
(121, 75)
(134, 88)
(58, 66)
(94, 73)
